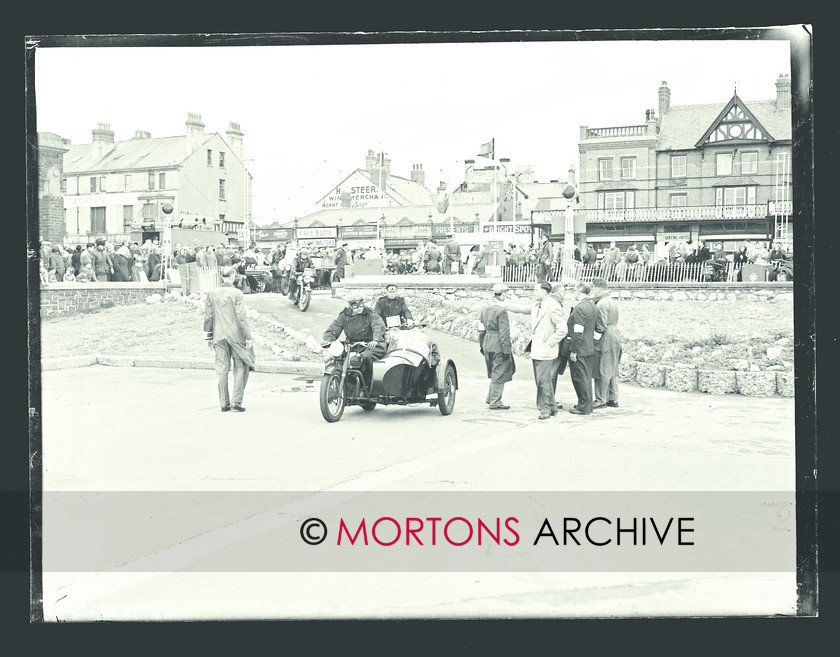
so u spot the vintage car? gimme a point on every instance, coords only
(412, 371)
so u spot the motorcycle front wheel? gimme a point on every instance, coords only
(284, 285)
(306, 297)
(332, 397)
(446, 396)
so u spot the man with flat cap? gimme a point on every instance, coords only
(494, 343)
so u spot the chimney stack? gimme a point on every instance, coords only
(195, 132)
(783, 92)
(380, 170)
(103, 140)
(234, 140)
(664, 99)
(418, 175)
(142, 134)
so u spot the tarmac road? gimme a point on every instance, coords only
(154, 429)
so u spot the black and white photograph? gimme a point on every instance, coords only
(463, 325)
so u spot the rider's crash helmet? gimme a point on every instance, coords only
(356, 301)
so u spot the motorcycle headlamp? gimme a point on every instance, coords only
(336, 349)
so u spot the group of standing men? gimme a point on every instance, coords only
(588, 341)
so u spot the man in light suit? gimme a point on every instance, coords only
(548, 326)
(227, 332)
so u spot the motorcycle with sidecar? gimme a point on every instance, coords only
(412, 371)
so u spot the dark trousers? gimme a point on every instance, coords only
(543, 273)
(545, 378)
(581, 371)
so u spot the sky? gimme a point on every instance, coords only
(310, 113)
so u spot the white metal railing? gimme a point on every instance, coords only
(652, 273)
(618, 131)
(699, 212)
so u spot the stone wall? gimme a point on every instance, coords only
(69, 298)
(454, 310)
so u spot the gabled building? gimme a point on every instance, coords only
(715, 172)
(112, 188)
(409, 213)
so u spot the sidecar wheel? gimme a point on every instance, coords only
(446, 397)
(305, 298)
(332, 397)
(369, 406)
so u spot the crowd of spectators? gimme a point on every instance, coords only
(104, 261)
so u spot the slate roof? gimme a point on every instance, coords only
(683, 125)
(151, 153)
(394, 215)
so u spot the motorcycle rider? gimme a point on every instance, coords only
(360, 324)
(302, 261)
(393, 309)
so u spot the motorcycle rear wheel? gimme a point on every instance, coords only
(332, 397)
(446, 397)
(306, 297)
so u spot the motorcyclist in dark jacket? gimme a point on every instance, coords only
(360, 324)
(393, 307)
(302, 261)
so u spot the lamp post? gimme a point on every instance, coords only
(569, 193)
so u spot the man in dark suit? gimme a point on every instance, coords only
(581, 326)
(494, 343)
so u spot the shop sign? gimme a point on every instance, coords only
(360, 192)
(676, 237)
(505, 227)
(318, 242)
(280, 234)
(313, 233)
(356, 232)
(98, 200)
(444, 229)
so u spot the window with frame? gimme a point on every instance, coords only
(221, 189)
(736, 201)
(148, 211)
(101, 183)
(616, 200)
(628, 167)
(97, 220)
(63, 188)
(128, 216)
(678, 203)
(605, 169)
(161, 181)
(222, 223)
(749, 162)
(221, 159)
(723, 164)
(679, 166)
(151, 180)
(209, 158)
(93, 185)
(127, 182)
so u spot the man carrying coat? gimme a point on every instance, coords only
(607, 346)
(227, 332)
(494, 343)
(548, 329)
(581, 326)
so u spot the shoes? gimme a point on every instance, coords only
(237, 407)
(612, 404)
(225, 409)
(500, 407)
(577, 411)
(599, 405)
(545, 416)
